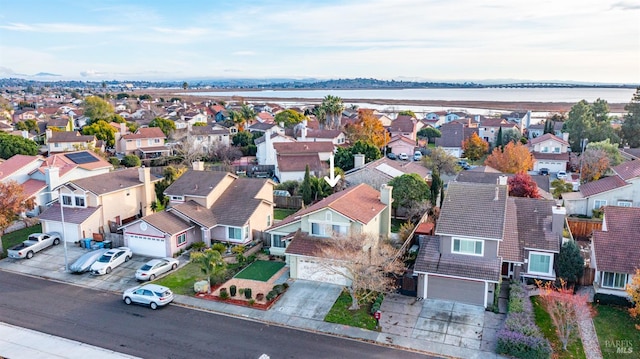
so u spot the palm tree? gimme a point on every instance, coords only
(320, 114)
(211, 263)
(333, 107)
(237, 119)
(185, 85)
(247, 113)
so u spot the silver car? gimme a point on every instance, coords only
(152, 295)
(85, 261)
(156, 267)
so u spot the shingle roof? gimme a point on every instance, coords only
(304, 245)
(628, 170)
(303, 147)
(472, 176)
(16, 162)
(430, 260)
(58, 122)
(510, 248)
(261, 126)
(401, 138)
(76, 215)
(112, 181)
(145, 132)
(547, 136)
(208, 130)
(167, 222)
(453, 133)
(199, 214)
(602, 185)
(70, 136)
(297, 163)
(618, 249)
(195, 183)
(238, 202)
(33, 186)
(470, 210)
(534, 217)
(402, 124)
(323, 133)
(550, 156)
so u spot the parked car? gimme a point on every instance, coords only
(403, 156)
(281, 193)
(152, 295)
(417, 156)
(561, 174)
(543, 171)
(85, 261)
(156, 267)
(464, 164)
(110, 260)
(34, 243)
(392, 156)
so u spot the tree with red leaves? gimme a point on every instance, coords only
(13, 201)
(522, 185)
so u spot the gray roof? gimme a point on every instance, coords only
(195, 183)
(430, 260)
(196, 213)
(76, 215)
(453, 133)
(167, 222)
(488, 176)
(112, 181)
(469, 209)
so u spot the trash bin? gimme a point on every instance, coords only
(87, 243)
(100, 245)
(107, 244)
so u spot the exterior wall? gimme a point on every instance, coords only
(453, 151)
(22, 175)
(627, 193)
(259, 219)
(552, 165)
(66, 146)
(266, 192)
(125, 204)
(399, 147)
(490, 246)
(291, 176)
(456, 289)
(597, 285)
(525, 266)
(193, 236)
(551, 146)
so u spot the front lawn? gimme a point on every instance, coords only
(543, 321)
(260, 270)
(340, 313)
(616, 331)
(282, 213)
(182, 280)
(11, 239)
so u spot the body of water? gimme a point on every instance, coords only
(485, 94)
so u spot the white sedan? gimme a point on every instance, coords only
(156, 267)
(152, 295)
(561, 175)
(110, 260)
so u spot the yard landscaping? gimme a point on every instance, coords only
(282, 213)
(340, 313)
(11, 239)
(181, 281)
(260, 270)
(548, 329)
(616, 330)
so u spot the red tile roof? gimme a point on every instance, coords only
(628, 170)
(618, 248)
(32, 186)
(602, 185)
(294, 163)
(13, 164)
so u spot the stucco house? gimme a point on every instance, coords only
(299, 237)
(615, 250)
(146, 142)
(622, 189)
(66, 141)
(401, 144)
(404, 125)
(381, 171)
(293, 157)
(549, 152)
(489, 128)
(453, 133)
(209, 136)
(265, 150)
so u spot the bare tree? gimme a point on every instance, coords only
(365, 262)
(225, 154)
(190, 150)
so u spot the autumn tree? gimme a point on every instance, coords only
(630, 129)
(409, 190)
(97, 109)
(11, 145)
(633, 289)
(611, 149)
(103, 131)
(570, 262)
(211, 264)
(474, 147)
(167, 126)
(13, 202)
(365, 262)
(514, 158)
(429, 133)
(594, 163)
(367, 128)
(522, 185)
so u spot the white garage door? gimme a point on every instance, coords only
(146, 246)
(458, 290)
(71, 230)
(311, 270)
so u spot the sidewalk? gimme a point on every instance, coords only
(17, 343)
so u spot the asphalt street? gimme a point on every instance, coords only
(102, 319)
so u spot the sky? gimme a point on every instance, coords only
(448, 40)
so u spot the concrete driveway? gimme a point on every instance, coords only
(307, 299)
(49, 263)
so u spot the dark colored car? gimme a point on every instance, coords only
(392, 156)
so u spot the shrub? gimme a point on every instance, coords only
(608, 299)
(223, 293)
(241, 291)
(278, 288)
(131, 161)
(247, 293)
(252, 258)
(271, 295)
(285, 285)
(260, 296)
(219, 247)
(232, 290)
(198, 246)
(522, 346)
(115, 162)
(251, 302)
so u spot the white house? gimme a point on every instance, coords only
(549, 152)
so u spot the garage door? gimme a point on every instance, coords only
(146, 246)
(311, 270)
(458, 290)
(71, 230)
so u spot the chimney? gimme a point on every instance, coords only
(557, 219)
(385, 194)
(52, 177)
(385, 217)
(198, 166)
(502, 180)
(123, 128)
(358, 160)
(281, 124)
(565, 136)
(303, 133)
(48, 133)
(148, 192)
(497, 197)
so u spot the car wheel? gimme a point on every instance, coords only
(152, 277)
(29, 254)
(126, 259)
(174, 266)
(153, 305)
(108, 270)
(56, 242)
(127, 300)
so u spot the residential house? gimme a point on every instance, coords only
(101, 203)
(193, 116)
(404, 125)
(622, 189)
(489, 128)
(630, 154)
(453, 133)
(267, 127)
(483, 235)
(264, 117)
(454, 116)
(549, 152)
(436, 118)
(265, 152)
(61, 124)
(293, 157)
(537, 130)
(401, 144)
(146, 142)
(381, 171)
(615, 250)
(209, 137)
(305, 134)
(487, 174)
(68, 141)
(356, 210)
(384, 119)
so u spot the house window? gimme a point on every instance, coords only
(138, 143)
(556, 149)
(157, 140)
(599, 203)
(318, 229)
(625, 203)
(614, 280)
(66, 200)
(181, 238)
(235, 233)
(467, 246)
(276, 241)
(80, 201)
(177, 198)
(337, 229)
(268, 220)
(540, 263)
(545, 149)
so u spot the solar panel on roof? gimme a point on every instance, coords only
(81, 157)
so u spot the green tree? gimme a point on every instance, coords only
(167, 126)
(510, 135)
(321, 114)
(429, 133)
(611, 149)
(344, 156)
(289, 118)
(436, 182)
(131, 161)
(103, 131)
(28, 125)
(407, 113)
(570, 262)
(97, 109)
(11, 145)
(409, 190)
(185, 85)
(247, 113)
(600, 110)
(440, 162)
(333, 107)
(630, 128)
(211, 264)
(560, 186)
(242, 139)
(579, 124)
(499, 142)
(306, 190)
(549, 126)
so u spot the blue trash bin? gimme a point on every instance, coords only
(100, 245)
(87, 243)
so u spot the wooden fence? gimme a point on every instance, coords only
(290, 202)
(588, 276)
(583, 227)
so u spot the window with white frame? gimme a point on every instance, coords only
(467, 246)
(177, 198)
(614, 280)
(181, 238)
(235, 233)
(67, 200)
(138, 143)
(556, 149)
(599, 203)
(625, 203)
(338, 229)
(80, 202)
(318, 229)
(540, 263)
(545, 149)
(276, 241)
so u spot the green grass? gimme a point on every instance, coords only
(340, 313)
(11, 239)
(182, 280)
(282, 213)
(614, 324)
(260, 270)
(395, 224)
(543, 320)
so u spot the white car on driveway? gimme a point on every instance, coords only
(562, 175)
(156, 267)
(110, 260)
(152, 295)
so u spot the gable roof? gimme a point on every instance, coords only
(489, 175)
(70, 136)
(112, 181)
(548, 136)
(76, 215)
(15, 163)
(602, 185)
(302, 147)
(145, 132)
(360, 203)
(401, 138)
(628, 170)
(618, 248)
(167, 222)
(453, 133)
(299, 162)
(324, 133)
(65, 164)
(402, 124)
(469, 209)
(196, 183)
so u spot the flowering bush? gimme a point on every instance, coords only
(523, 346)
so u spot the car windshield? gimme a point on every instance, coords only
(165, 294)
(104, 259)
(145, 267)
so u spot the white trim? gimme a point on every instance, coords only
(549, 273)
(463, 236)
(599, 200)
(481, 254)
(626, 280)
(456, 277)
